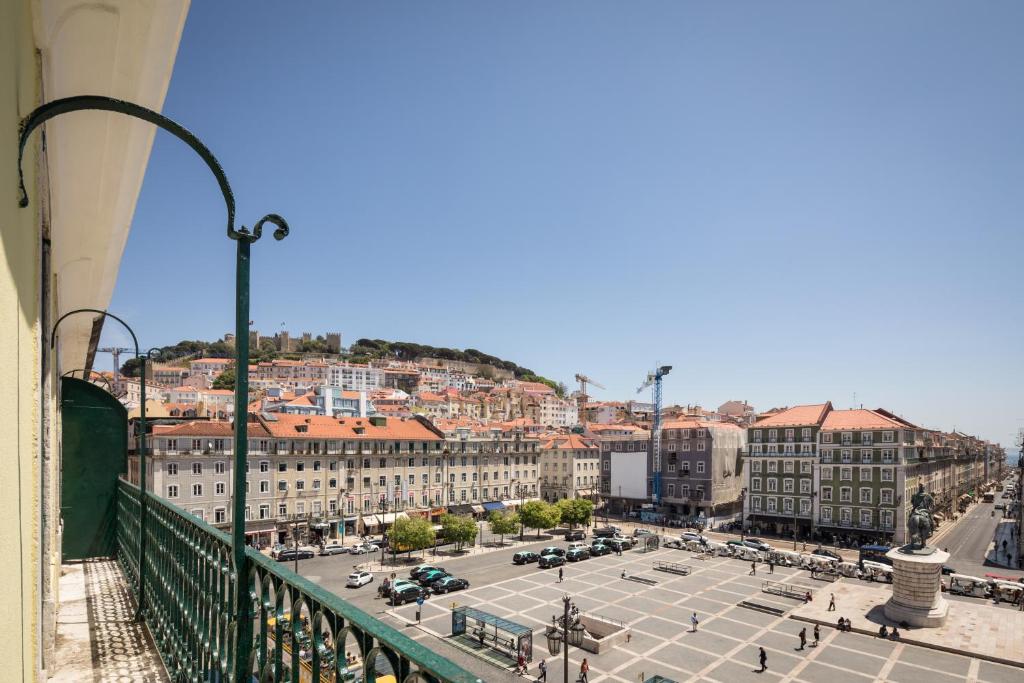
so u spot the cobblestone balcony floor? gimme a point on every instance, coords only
(97, 639)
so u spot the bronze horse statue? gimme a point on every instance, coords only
(920, 526)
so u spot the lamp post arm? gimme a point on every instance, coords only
(66, 105)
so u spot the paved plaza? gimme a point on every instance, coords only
(725, 647)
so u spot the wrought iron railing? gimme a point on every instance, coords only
(189, 599)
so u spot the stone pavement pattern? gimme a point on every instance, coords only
(97, 638)
(975, 626)
(725, 647)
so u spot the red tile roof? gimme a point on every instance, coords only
(858, 419)
(796, 416)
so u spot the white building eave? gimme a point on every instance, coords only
(96, 161)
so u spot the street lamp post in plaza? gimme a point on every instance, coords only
(565, 635)
(743, 513)
(243, 605)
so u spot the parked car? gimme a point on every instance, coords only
(334, 549)
(598, 549)
(550, 561)
(357, 579)
(642, 532)
(757, 544)
(606, 531)
(525, 557)
(947, 570)
(363, 549)
(575, 544)
(408, 593)
(674, 543)
(552, 550)
(619, 544)
(419, 569)
(575, 535)
(290, 555)
(692, 536)
(825, 552)
(429, 577)
(577, 554)
(449, 584)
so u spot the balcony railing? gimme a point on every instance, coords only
(189, 597)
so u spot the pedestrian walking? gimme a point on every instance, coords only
(771, 566)
(693, 623)
(817, 634)
(560, 575)
(753, 569)
(542, 672)
(584, 670)
(763, 658)
(803, 638)
(831, 602)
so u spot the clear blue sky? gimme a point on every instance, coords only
(789, 202)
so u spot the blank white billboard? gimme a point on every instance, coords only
(629, 475)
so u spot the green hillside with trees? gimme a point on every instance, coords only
(362, 351)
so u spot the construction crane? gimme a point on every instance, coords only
(584, 381)
(116, 352)
(654, 378)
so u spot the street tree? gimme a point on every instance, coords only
(458, 529)
(537, 514)
(503, 523)
(409, 534)
(575, 511)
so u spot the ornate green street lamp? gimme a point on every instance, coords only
(141, 441)
(243, 238)
(568, 633)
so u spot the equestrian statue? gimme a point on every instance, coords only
(920, 523)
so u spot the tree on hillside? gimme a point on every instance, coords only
(576, 511)
(226, 379)
(536, 514)
(458, 529)
(130, 368)
(409, 534)
(503, 523)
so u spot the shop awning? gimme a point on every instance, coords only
(494, 505)
(462, 509)
(386, 518)
(477, 508)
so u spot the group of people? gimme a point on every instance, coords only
(886, 633)
(542, 669)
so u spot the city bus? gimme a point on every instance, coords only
(874, 553)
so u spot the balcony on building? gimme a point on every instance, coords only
(104, 581)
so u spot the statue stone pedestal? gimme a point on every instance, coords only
(917, 587)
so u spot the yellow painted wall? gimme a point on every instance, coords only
(19, 356)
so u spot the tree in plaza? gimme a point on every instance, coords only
(575, 511)
(226, 379)
(537, 514)
(503, 523)
(408, 534)
(458, 529)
